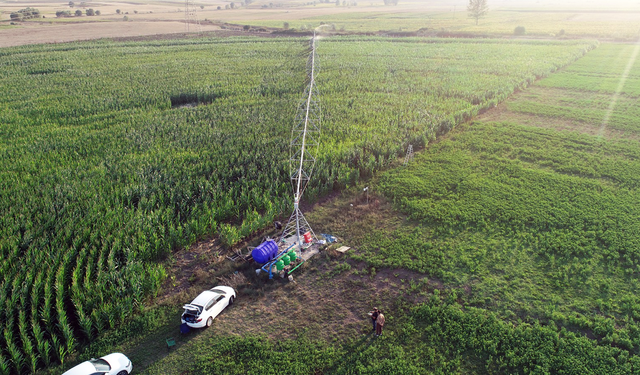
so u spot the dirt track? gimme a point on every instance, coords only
(85, 31)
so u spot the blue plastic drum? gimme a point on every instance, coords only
(265, 252)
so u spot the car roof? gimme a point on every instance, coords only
(82, 369)
(223, 289)
(116, 359)
(204, 297)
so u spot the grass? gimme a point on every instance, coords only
(533, 223)
(520, 223)
(592, 96)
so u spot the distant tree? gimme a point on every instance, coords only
(125, 18)
(477, 9)
(135, 11)
(390, 2)
(219, 7)
(71, 4)
(25, 14)
(78, 13)
(118, 11)
(232, 5)
(226, 6)
(97, 13)
(91, 12)
(337, 3)
(246, 27)
(286, 25)
(201, 6)
(519, 30)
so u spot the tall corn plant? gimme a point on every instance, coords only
(30, 353)
(16, 357)
(5, 367)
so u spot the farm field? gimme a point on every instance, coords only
(116, 153)
(538, 22)
(513, 250)
(614, 20)
(596, 96)
(530, 212)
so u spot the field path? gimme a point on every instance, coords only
(90, 30)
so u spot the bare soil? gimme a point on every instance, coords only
(330, 294)
(328, 299)
(61, 33)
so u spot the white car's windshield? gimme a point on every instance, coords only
(100, 364)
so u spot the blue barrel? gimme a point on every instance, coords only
(265, 252)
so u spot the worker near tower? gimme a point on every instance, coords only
(374, 316)
(379, 323)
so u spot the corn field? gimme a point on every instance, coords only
(115, 153)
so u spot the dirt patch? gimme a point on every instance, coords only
(318, 300)
(329, 296)
(35, 34)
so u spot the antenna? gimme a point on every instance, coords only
(190, 16)
(303, 150)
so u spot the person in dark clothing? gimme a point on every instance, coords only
(374, 316)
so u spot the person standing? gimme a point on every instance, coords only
(379, 323)
(374, 315)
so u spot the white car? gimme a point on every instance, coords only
(202, 310)
(112, 364)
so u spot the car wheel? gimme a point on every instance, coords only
(209, 322)
(231, 300)
(123, 372)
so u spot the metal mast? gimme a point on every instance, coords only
(409, 156)
(303, 150)
(190, 16)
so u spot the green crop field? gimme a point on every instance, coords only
(598, 94)
(530, 216)
(115, 153)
